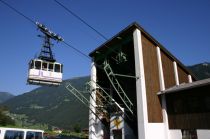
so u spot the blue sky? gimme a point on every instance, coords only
(182, 26)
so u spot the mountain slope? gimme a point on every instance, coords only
(4, 96)
(201, 71)
(52, 105)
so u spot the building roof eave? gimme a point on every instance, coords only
(186, 86)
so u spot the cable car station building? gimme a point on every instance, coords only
(140, 90)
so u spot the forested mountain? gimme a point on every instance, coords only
(54, 106)
(4, 96)
(5, 119)
(201, 71)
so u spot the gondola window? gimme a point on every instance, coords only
(37, 64)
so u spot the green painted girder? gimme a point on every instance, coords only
(108, 98)
(118, 88)
(82, 99)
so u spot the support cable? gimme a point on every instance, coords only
(77, 50)
(78, 17)
(83, 21)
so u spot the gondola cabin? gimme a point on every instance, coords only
(43, 72)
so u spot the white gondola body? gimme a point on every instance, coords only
(46, 73)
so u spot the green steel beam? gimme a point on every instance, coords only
(116, 85)
(81, 98)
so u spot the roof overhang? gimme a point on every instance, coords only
(187, 86)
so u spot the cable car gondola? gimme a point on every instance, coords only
(44, 70)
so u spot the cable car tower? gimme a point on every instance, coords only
(44, 70)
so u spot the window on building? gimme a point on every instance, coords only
(50, 66)
(33, 135)
(31, 64)
(117, 133)
(207, 103)
(38, 64)
(57, 68)
(44, 66)
(12, 134)
(189, 134)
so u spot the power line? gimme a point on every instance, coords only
(82, 20)
(76, 50)
(18, 12)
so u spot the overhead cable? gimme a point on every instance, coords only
(82, 20)
(78, 51)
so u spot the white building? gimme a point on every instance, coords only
(140, 90)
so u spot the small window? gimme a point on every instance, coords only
(189, 134)
(117, 133)
(50, 67)
(57, 68)
(31, 64)
(12, 134)
(207, 103)
(61, 68)
(37, 64)
(44, 66)
(33, 135)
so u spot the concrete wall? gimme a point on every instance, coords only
(156, 131)
(203, 134)
(175, 134)
(140, 86)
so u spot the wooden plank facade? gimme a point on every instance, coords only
(152, 77)
(183, 76)
(151, 80)
(168, 70)
(189, 109)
